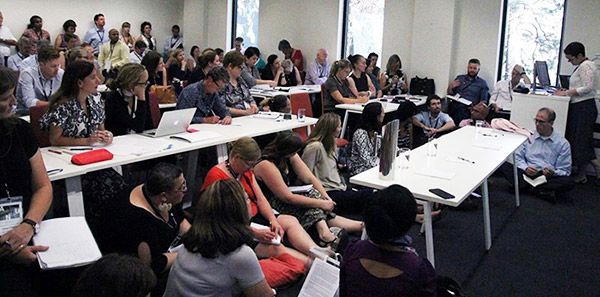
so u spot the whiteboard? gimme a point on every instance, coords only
(525, 106)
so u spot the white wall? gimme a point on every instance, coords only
(162, 15)
(194, 23)
(581, 24)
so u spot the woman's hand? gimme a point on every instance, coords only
(276, 228)
(264, 235)
(327, 205)
(105, 136)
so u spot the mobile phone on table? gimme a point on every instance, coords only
(441, 193)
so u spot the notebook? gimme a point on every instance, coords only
(172, 122)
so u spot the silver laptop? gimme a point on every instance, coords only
(172, 122)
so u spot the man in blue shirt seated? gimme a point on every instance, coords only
(204, 96)
(548, 154)
(471, 87)
(433, 122)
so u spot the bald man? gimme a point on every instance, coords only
(114, 53)
(318, 71)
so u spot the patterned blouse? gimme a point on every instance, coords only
(73, 120)
(362, 157)
(238, 98)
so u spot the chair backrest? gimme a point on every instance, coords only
(154, 109)
(35, 114)
(322, 99)
(297, 101)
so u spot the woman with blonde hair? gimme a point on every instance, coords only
(393, 80)
(126, 36)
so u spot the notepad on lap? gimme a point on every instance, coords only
(196, 136)
(535, 181)
(300, 189)
(70, 243)
(274, 241)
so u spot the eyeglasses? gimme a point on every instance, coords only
(540, 122)
(182, 188)
(140, 83)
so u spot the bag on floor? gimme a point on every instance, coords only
(281, 270)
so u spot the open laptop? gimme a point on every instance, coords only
(172, 122)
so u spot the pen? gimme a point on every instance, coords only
(81, 149)
(211, 111)
(466, 160)
(54, 171)
(56, 152)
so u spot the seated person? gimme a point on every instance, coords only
(291, 53)
(126, 106)
(39, 82)
(364, 142)
(156, 69)
(118, 276)
(72, 40)
(279, 164)
(242, 155)
(433, 122)
(320, 157)
(337, 88)
(502, 95)
(549, 154)
(479, 113)
(206, 62)
(147, 220)
(404, 114)
(25, 176)
(280, 103)
(250, 73)
(139, 50)
(179, 70)
(83, 53)
(215, 260)
(23, 51)
(272, 70)
(386, 264)
(471, 87)
(393, 81)
(290, 76)
(204, 96)
(363, 86)
(318, 71)
(236, 93)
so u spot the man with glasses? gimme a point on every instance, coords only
(39, 82)
(548, 154)
(204, 96)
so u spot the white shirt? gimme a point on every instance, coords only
(502, 94)
(135, 57)
(29, 62)
(14, 62)
(33, 87)
(171, 43)
(585, 80)
(5, 34)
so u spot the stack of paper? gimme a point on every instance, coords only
(70, 243)
(300, 189)
(196, 136)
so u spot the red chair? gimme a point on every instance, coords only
(35, 114)
(297, 101)
(154, 109)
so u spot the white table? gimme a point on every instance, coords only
(524, 107)
(487, 153)
(387, 107)
(164, 146)
(269, 93)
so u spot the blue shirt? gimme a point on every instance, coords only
(96, 38)
(205, 104)
(553, 152)
(473, 89)
(437, 122)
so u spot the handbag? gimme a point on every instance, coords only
(422, 86)
(281, 270)
(164, 94)
(90, 157)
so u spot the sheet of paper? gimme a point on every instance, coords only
(70, 243)
(322, 280)
(300, 189)
(197, 136)
(137, 146)
(275, 241)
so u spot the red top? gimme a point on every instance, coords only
(216, 174)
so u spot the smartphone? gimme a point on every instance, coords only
(441, 193)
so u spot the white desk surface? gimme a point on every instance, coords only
(466, 177)
(242, 126)
(525, 106)
(259, 92)
(387, 106)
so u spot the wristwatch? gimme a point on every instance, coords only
(33, 225)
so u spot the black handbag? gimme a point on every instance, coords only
(422, 86)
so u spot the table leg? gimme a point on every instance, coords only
(486, 215)
(75, 196)
(516, 177)
(428, 232)
(190, 160)
(344, 124)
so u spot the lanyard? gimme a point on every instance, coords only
(174, 43)
(321, 70)
(43, 84)
(20, 56)
(101, 36)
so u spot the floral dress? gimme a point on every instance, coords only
(237, 97)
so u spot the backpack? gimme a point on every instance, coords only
(422, 86)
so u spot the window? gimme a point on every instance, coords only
(532, 31)
(245, 21)
(363, 27)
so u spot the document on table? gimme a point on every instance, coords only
(196, 136)
(70, 243)
(137, 146)
(322, 280)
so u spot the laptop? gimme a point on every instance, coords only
(564, 81)
(172, 122)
